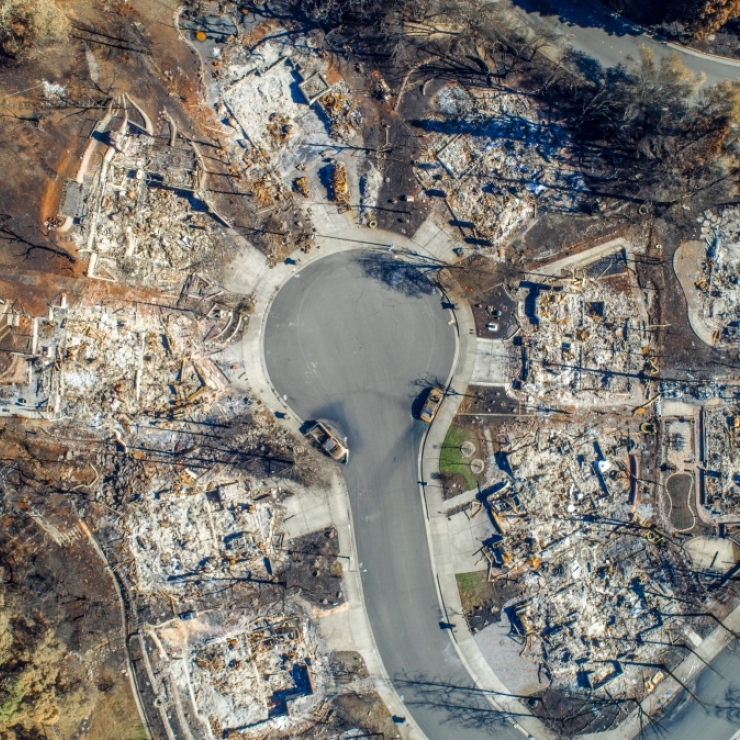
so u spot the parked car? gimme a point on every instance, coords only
(431, 405)
(328, 441)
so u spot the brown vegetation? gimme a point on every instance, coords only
(28, 24)
(699, 17)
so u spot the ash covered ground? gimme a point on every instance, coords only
(151, 576)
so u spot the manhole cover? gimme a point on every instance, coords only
(467, 449)
(477, 466)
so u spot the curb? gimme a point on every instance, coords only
(438, 537)
(265, 284)
(676, 46)
(729, 61)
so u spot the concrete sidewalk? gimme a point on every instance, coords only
(440, 546)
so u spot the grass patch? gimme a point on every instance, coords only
(475, 590)
(117, 716)
(451, 460)
(9, 710)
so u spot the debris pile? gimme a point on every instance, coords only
(345, 120)
(340, 189)
(275, 140)
(721, 474)
(719, 274)
(598, 576)
(114, 356)
(178, 536)
(495, 162)
(240, 676)
(146, 217)
(585, 337)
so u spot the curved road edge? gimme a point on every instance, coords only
(682, 48)
(264, 284)
(439, 538)
(610, 39)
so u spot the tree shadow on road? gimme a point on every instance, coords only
(465, 706)
(577, 13)
(409, 275)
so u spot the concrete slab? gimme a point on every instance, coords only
(306, 511)
(436, 242)
(583, 258)
(686, 262)
(466, 536)
(713, 553)
(500, 649)
(678, 408)
(493, 365)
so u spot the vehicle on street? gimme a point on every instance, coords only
(328, 440)
(431, 405)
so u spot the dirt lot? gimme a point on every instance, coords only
(314, 569)
(52, 99)
(483, 600)
(62, 657)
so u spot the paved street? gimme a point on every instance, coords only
(358, 351)
(610, 40)
(720, 693)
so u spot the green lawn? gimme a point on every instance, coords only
(450, 459)
(475, 589)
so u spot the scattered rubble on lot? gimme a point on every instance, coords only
(720, 477)
(718, 279)
(284, 108)
(604, 570)
(495, 162)
(240, 676)
(585, 335)
(590, 582)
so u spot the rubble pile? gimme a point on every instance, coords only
(339, 183)
(240, 676)
(146, 219)
(284, 106)
(202, 526)
(598, 576)
(585, 338)
(721, 474)
(719, 274)
(346, 121)
(114, 356)
(495, 162)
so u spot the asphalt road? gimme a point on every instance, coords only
(609, 40)
(719, 692)
(358, 351)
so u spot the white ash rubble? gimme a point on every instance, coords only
(720, 478)
(495, 162)
(718, 279)
(240, 676)
(598, 576)
(585, 337)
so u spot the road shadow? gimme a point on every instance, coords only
(413, 277)
(582, 14)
